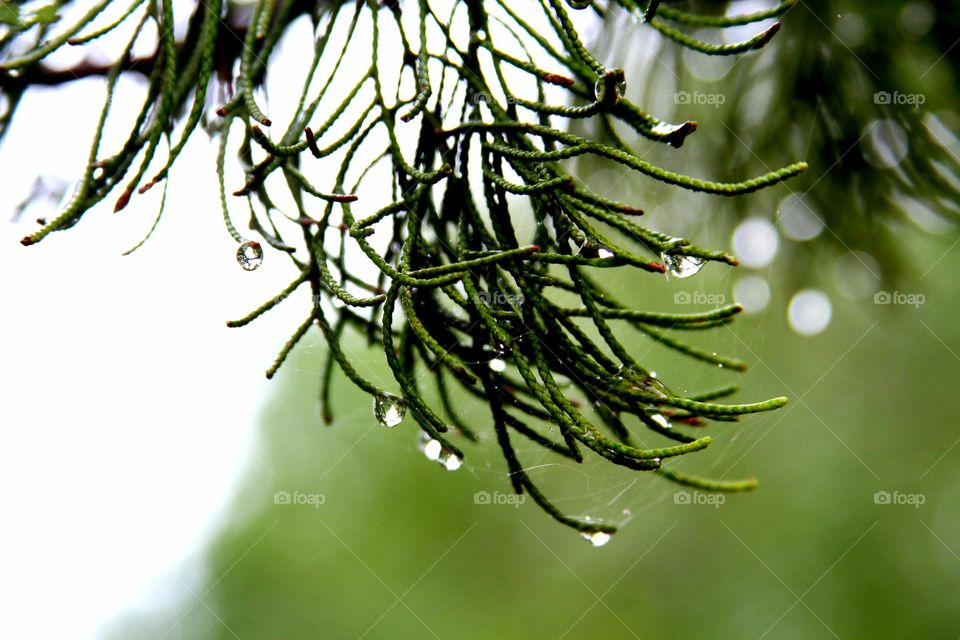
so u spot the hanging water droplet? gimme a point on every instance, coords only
(596, 538)
(600, 91)
(449, 460)
(388, 409)
(497, 365)
(604, 252)
(680, 265)
(434, 450)
(250, 255)
(430, 448)
(661, 420)
(673, 134)
(589, 249)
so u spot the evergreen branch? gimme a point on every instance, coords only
(446, 287)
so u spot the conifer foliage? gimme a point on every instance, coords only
(422, 240)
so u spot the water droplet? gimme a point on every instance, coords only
(600, 91)
(680, 265)
(250, 255)
(596, 538)
(604, 252)
(496, 347)
(589, 249)
(434, 450)
(388, 409)
(449, 460)
(661, 420)
(428, 446)
(667, 129)
(497, 365)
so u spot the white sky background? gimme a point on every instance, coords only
(129, 407)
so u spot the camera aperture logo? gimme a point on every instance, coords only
(714, 500)
(914, 500)
(299, 498)
(498, 498)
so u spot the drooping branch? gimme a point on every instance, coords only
(458, 293)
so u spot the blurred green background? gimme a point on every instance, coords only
(855, 529)
(399, 549)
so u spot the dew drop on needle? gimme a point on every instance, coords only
(682, 266)
(388, 409)
(250, 255)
